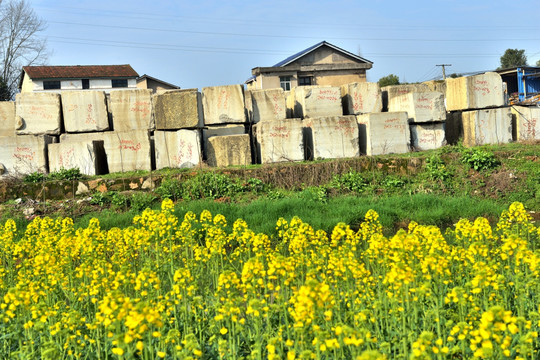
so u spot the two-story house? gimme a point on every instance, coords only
(320, 64)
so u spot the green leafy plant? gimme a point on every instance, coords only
(436, 168)
(34, 178)
(211, 185)
(479, 159)
(351, 181)
(100, 198)
(170, 188)
(141, 200)
(66, 174)
(119, 200)
(393, 182)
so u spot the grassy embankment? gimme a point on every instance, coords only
(451, 183)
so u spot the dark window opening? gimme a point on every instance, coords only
(51, 85)
(285, 82)
(304, 80)
(86, 83)
(119, 83)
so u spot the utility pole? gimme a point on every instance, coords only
(443, 70)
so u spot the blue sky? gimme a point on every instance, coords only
(201, 43)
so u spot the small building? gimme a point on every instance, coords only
(149, 82)
(77, 77)
(522, 82)
(320, 64)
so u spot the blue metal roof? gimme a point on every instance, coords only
(316, 46)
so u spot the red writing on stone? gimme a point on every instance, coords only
(129, 145)
(24, 153)
(279, 135)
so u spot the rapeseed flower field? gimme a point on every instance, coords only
(203, 288)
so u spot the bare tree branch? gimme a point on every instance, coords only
(20, 41)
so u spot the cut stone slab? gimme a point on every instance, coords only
(7, 118)
(436, 85)
(124, 150)
(489, 126)
(333, 137)
(527, 122)
(85, 111)
(384, 133)
(427, 136)
(177, 149)
(248, 105)
(25, 154)
(280, 140)
(220, 130)
(392, 91)
(178, 109)
(361, 98)
(420, 106)
(38, 114)
(223, 104)
(229, 150)
(82, 155)
(268, 105)
(474, 92)
(290, 101)
(132, 110)
(317, 101)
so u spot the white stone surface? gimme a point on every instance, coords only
(361, 98)
(420, 106)
(125, 150)
(7, 118)
(68, 155)
(38, 113)
(84, 111)
(317, 101)
(132, 110)
(177, 149)
(384, 133)
(268, 105)
(489, 126)
(229, 150)
(527, 122)
(280, 140)
(221, 130)
(223, 104)
(392, 91)
(334, 136)
(474, 92)
(427, 136)
(24, 154)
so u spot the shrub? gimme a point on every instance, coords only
(436, 168)
(351, 181)
(141, 200)
(66, 174)
(170, 189)
(34, 178)
(479, 159)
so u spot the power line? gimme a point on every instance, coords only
(131, 14)
(278, 36)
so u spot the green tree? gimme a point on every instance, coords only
(513, 58)
(538, 63)
(389, 80)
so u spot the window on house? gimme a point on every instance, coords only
(285, 82)
(119, 83)
(304, 80)
(86, 83)
(51, 84)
